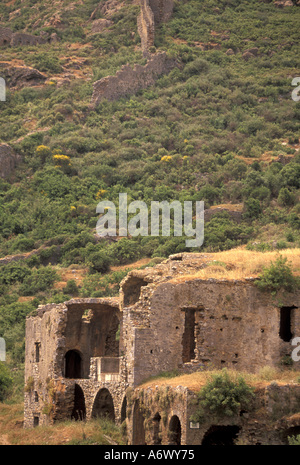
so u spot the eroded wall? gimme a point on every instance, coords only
(234, 325)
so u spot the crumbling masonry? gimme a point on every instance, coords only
(88, 358)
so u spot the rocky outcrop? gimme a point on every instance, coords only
(5, 36)
(8, 160)
(21, 76)
(99, 25)
(130, 80)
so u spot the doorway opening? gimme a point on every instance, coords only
(219, 435)
(174, 431)
(104, 405)
(286, 314)
(78, 412)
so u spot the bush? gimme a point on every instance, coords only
(286, 197)
(252, 208)
(99, 262)
(294, 440)
(222, 397)
(278, 276)
(39, 280)
(71, 288)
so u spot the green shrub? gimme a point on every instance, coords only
(252, 208)
(222, 397)
(38, 281)
(277, 276)
(286, 197)
(71, 288)
(294, 440)
(99, 262)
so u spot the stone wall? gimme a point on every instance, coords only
(13, 39)
(146, 26)
(161, 414)
(129, 81)
(152, 13)
(8, 160)
(63, 344)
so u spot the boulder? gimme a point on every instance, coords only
(99, 25)
(23, 76)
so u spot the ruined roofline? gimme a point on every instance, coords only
(93, 302)
(82, 303)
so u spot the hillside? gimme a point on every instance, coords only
(221, 126)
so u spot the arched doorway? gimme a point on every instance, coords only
(174, 431)
(73, 364)
(156, 429)
(138, 430)
(103, 405)
(78, 412)
(220, 435)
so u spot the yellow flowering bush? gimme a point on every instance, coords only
(100, 193)
(166, 158)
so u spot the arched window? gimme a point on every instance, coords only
(73, 364)
(156, 429)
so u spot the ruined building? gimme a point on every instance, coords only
(89, 357)
(130, 79)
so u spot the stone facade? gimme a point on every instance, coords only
(89, 357)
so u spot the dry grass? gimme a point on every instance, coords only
(93, 432)
(241, 263)
(234, 207)
(195, 381)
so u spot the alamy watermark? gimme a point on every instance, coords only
(184, 216)
(2, 90)
(296, 352)
(296, 91)
(2, 350)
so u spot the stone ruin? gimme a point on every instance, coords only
(14, 39)
(8, 160)
(88, 358)
(129, 80)
(153, 12)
